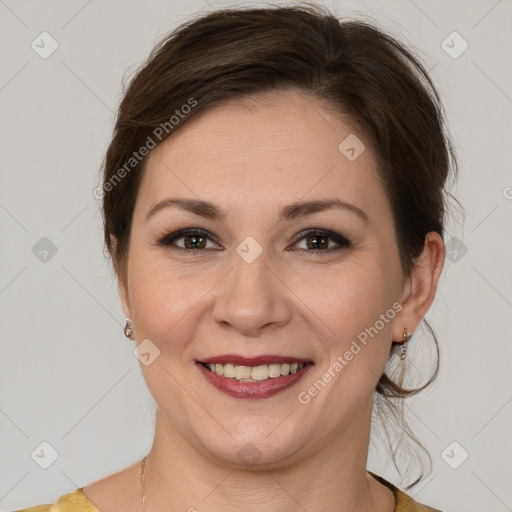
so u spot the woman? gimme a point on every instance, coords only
(273, 203)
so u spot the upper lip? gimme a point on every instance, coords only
(253, 361)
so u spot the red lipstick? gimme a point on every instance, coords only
(253, 361)
(257, 389)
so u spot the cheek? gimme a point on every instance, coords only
(163, 302)
(354, 297)
(356, 309)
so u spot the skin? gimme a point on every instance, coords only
(251, 159)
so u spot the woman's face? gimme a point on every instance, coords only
(266, 280)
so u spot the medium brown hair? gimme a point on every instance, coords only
(351, 67)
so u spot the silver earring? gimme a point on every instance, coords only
(128, 331)
(403, 349)
(401, 354)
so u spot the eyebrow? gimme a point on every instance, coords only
(289, 212)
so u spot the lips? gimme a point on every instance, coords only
(237, 382)
(253, 361)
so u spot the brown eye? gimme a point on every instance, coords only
(189, 240)
(321, 241)
(317, 242)
(194, 242)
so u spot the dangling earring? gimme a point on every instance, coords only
(128, 331)
(402, 353)
(403, 349)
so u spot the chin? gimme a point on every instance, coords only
(253, 444)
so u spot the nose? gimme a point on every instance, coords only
(254, 297)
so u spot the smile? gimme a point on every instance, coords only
(254, 373)
(241, 377)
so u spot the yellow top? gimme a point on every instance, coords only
(78, 502)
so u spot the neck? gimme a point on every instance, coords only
(332, 477)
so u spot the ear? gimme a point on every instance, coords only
(420, 289)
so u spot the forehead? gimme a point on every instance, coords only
(276, 148)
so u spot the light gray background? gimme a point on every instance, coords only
(68, 375)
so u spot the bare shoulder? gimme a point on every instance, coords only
(119, 492)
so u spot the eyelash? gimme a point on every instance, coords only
(183, 233)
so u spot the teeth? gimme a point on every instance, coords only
(274, 370)
(259, 372)
(229, 370)
(254, 373)
(242, 372)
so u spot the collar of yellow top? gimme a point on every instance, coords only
(403, 502)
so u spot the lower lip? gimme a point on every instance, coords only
(253, 390)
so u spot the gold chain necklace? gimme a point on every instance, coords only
(143, 483)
